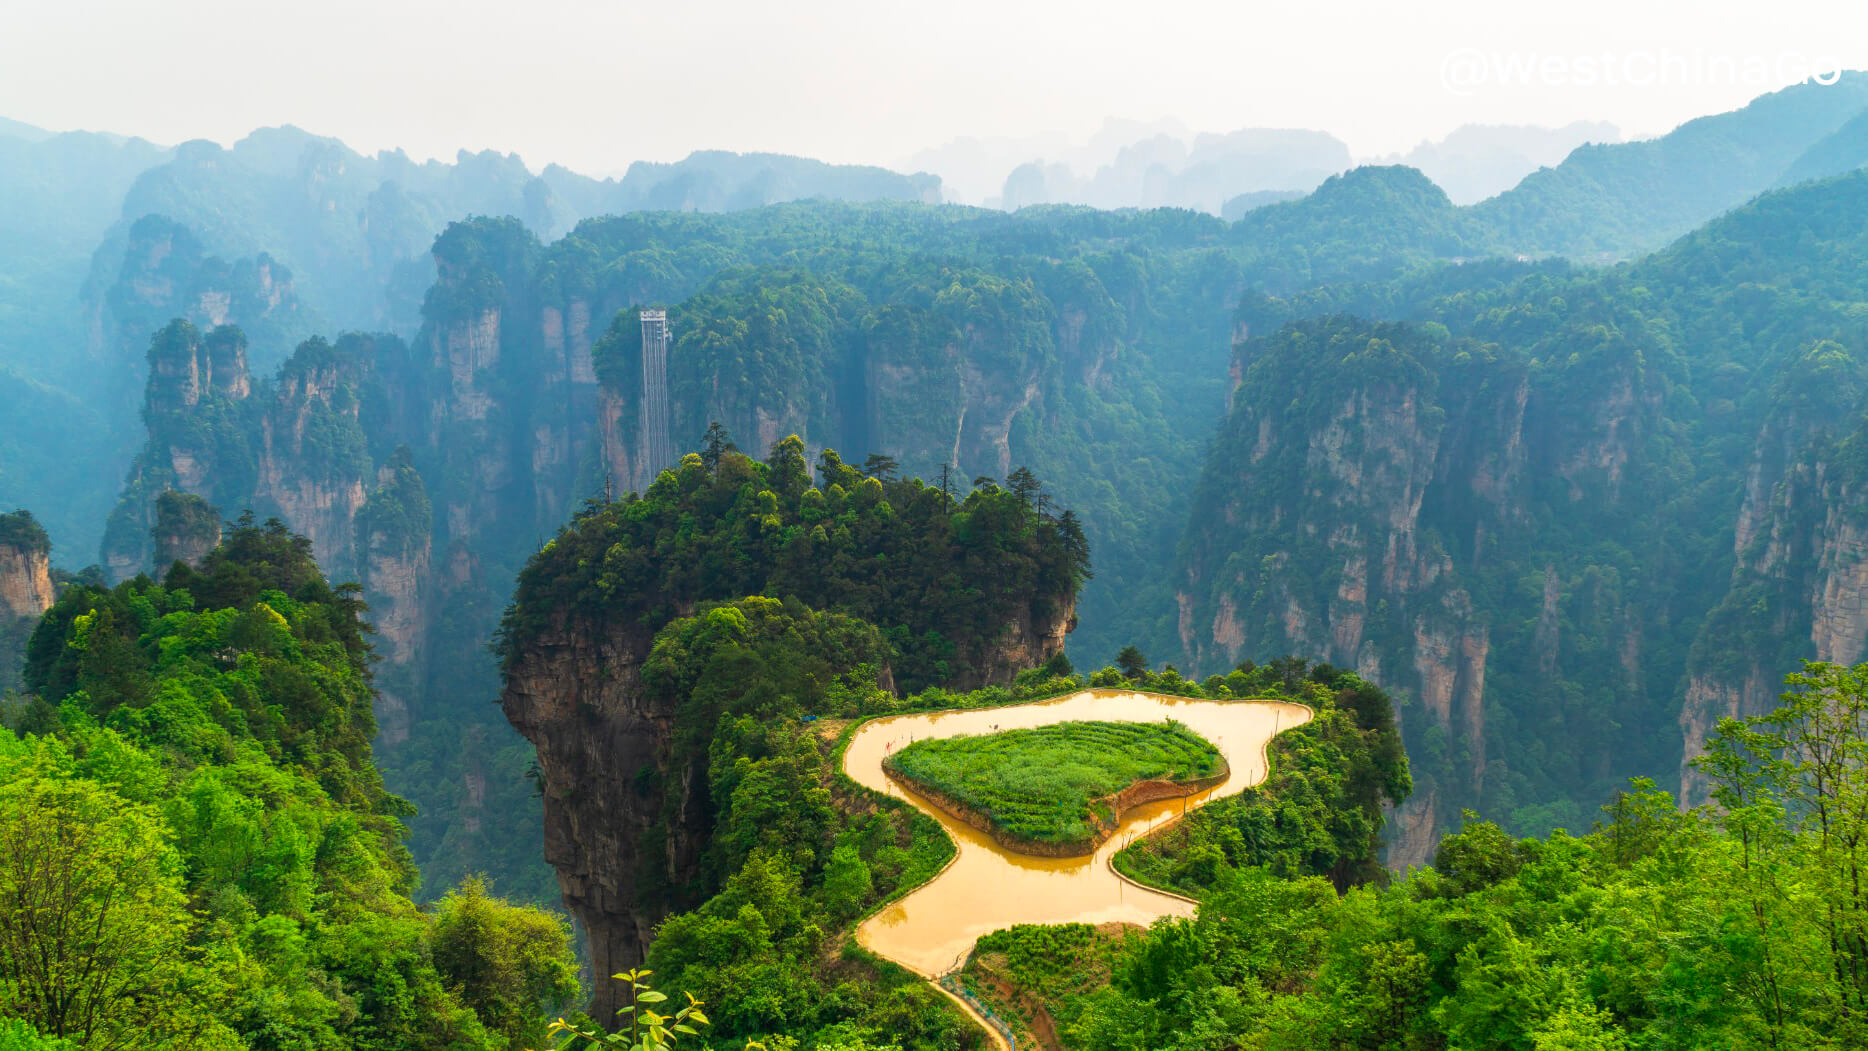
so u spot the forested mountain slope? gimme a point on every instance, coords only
(62, 193)
(1843, 151)
(332, 240)
(285, 234)
(200, 852)
(1732, 926)
(1088, 346)
(1609, 202)
(357, 228)
(1574, 516)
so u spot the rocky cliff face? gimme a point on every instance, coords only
(156, 270)
(312, 452)
(1575, 518)
(523, 395)
(1799, 581)
(197, 411)
(577, 695)
(298, 449)
(25, 568)
(1367, 487)
(25, 589)
(394, 543)
(1031, 637)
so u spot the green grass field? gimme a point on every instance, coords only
(1041, 785)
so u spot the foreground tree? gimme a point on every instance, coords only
(510, 963)
(92, 918)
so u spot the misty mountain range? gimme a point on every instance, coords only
(348, 235)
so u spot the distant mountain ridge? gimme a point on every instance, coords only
(1609, 202)
(1477, 161)
(1165, 172)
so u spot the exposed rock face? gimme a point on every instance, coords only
(298, 451)
(25, 589)
(195, 407)
(1800, 565)
(513, 413)
(25, 568)
(312, 460)
(973, 405)
(1839, 621)
(394, 544)
(1355, 506)
(161, 272)
(576, 693)
(1026, 642)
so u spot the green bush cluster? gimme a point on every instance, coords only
(1061, 968)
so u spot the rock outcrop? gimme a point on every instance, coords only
(197, 411)
(524, 393)
(25, 567)
(1364, 494)
(394, 544)
(576, 693)
(25, 588)
(313, 466)
(1799, 580)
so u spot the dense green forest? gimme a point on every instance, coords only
(723, 720)
(199, 851)
(283, 233)
(938, 575)
(207, 752)
(1324, 802)
(843, 589)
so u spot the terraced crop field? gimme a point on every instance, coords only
(1046, 785)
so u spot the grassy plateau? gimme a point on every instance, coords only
(1050, 785)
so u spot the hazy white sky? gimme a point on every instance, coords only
(595, 84)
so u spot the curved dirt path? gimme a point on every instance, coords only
(987, 888)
